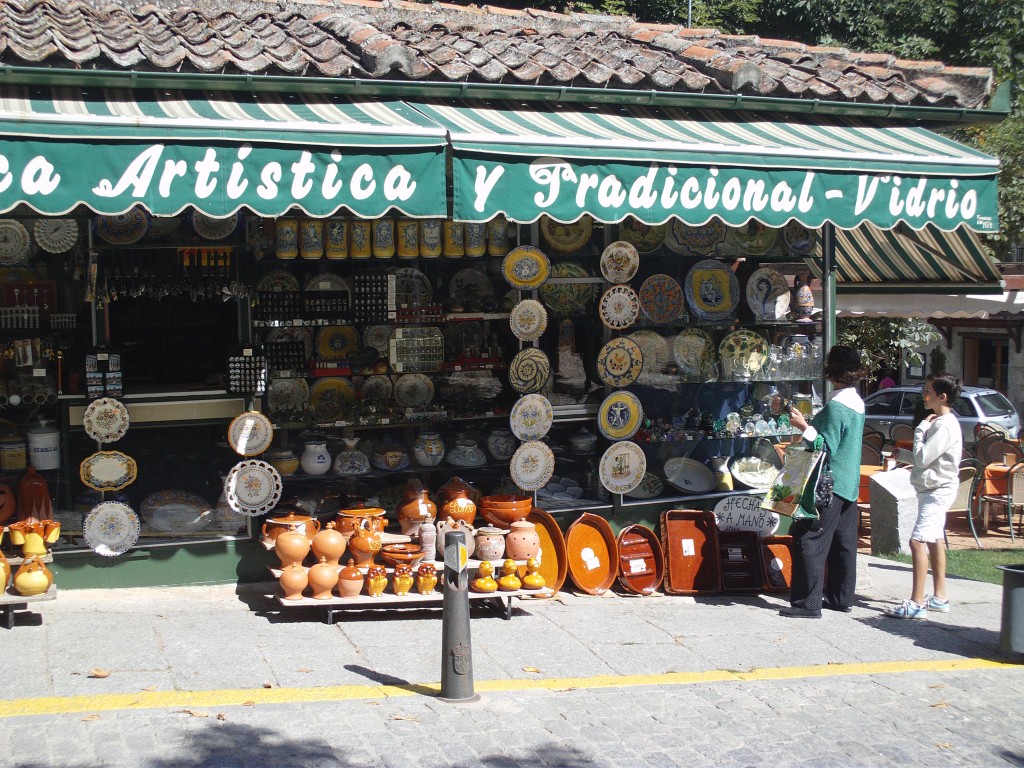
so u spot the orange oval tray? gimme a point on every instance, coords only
(592, 553)
(641, 560)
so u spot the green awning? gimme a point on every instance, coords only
(112, 149)
(526, 160)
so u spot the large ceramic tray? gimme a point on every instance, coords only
(620, 415)
(622, 467)
(174, 511)
(661, 299)
(328, 396)
(649, 487)
(554, 561)
(337, 342)
(250, 433)
(566, 237)
(641, 560)
(694, 352)
(531, 417)
(712, 290)
(776, 563)
(743, 353)
(592, 553)
(470, 286)
(287, 396)
(108, 471)
(253, 487)
(689, 475)
(752, 238)
(655, 350)
(620, 362)
(529, 370)
(106, 420)
(526, 267)
(413, 390)
(768, 294)
(532, 465)
(111, 528)
(647, 238)
(689, 538)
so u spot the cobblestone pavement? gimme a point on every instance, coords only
(219, 676)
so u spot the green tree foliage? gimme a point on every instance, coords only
(883, 342)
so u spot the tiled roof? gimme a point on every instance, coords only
(400, 40)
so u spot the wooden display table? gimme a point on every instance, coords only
(11, 601)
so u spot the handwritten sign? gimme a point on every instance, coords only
(744, 513)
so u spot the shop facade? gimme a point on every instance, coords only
(394, 280)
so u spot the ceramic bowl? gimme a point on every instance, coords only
(504, 509)
(390, 457)
(396, 554)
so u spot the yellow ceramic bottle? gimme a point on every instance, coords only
(32, 577)
(533, 579)
(509, 581)
(484, 581)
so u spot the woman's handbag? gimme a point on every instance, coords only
(797, 471)
(823, 485)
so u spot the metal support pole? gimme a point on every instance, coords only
(456, 646)
(828, 293)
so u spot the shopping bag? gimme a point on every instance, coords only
(797, 471)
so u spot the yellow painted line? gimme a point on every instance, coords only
(218, 699)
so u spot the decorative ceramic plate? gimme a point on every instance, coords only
(413, 390)
(287, 396)
(619, 307)
(377, 336)
(526, 267)
(209, 228)
(293, 333)
(15, 243)
(529, 370)
(566, 237)
(768, 294)
(253, 487)
(568, 298)
(124, 228)
(661, 299)
(622, 467)
(554, 565)
(106, 420)
(649, 487)
(532, 465)
(377, 389)
(647, 238)
(328, 396)
(701, 240)
(173, 511)
(620, 362)
(744, 352)
(531, 417)
(655, 350)
(694, 352)
(690, 475)
(469, 286)
(108, 471)
(592, 553)
(337, 342)
(278, 280)
(326, 281)
(111, 528)
(619, 262)
(753, 472)
(620, 415)
(56, 235)
(412, 287)
(528, 320)
(250, 433)
(753, 238)
(712, 290)
(799, 239)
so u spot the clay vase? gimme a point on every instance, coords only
(416, 508)
(293, 581)
(291, 548)
(484, 581)
(501, 444)
(459, 507)
(348, 520)
(446, 526)
(304, 524)
(315, 459)
(427, 536)
(428, 449)
(322, 578)
(426, 579)
(363, 545)
(803, 297)
(350, 580)
(329, 544)
(402, 581)
(32, 577)
(376, 580)
(490, 543)
(509, 581)
(522, 541)
(455, 484)
(33, 498)
(8, 504)
(533, 579)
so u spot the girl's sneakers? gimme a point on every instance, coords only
(933, 603)
(908, 609)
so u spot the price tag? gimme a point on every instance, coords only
(102, 357)
(688, 548)
(247, 352)
(39, 372)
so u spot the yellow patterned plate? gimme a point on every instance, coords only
(327, 396)
(620, 415)
(337, 342)
(526, 267)
(566, 238)
(620, 362)
(647, 238)
(743, 353)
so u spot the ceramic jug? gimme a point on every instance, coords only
(416, 508)
(364, 544)
(315, 459)
(447, 526)
(501, 444)
(803, 297)
(291, 547)
(294, 581)
(32, 577)
(329, 544)
(322, 578)
(284, 461)
(350, 580)
(428, 449)
(459, 507)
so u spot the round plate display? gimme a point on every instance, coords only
(655, 350)
(124, 228)
(106, 420)
(700, 240)
(694, 353)
(566, 237)
(525, 267)
(328, 396)
(111, 528)
(690, 475)
(470, 286)
(568, 298)
(15, 244)
(619, 262)
(210, 228)
(56, 235)
(799, 239)
(528, 320)
(622, 467)
(620, 415)
(753, 238)
(376, 389)
(253, 487)
(593, 554)
(172, 511)
(619, 307)
(287, 396)
(531, 417)
(413, 390)
(377, 336)
(529, 370)
(768, 294)
(742, 353)
(337, 342)
(620, 362)
(412, 288)
(108, 471)
(646, 237)
(532, 465)
(661, 299)
(712, 290)
(250, 433)
(278, 280)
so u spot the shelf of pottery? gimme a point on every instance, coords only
(24, 576)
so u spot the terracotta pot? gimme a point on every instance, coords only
(402, 554)
(490, 543)
(350, 580)
(364, 544)
(522, 541)
(376, 580)
(414, 510)
(426, 578)
(33, 498)
(329, 544)
(32, 577)
(459, 507)
(291, 547)
(304, 524)
(322, 578)
(369, 517)
(293, 581)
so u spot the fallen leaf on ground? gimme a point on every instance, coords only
(248, 703)
(940, 705)
(221, 716)
(87, 718)
(303, 669)
(530, 669)
(98, 672)
(403, 717)
(193, 712)
(149, 688)
(938, 685)
(944, 745)
(268, 685)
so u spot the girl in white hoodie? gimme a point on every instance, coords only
(938, 445)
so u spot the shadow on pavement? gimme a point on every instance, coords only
(383, 679)
(956, 639)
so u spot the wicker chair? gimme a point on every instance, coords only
(980, 448)
(997, 449)
(874, 438)
(1013, 499)
(870, 455)
(964, 501)
(901, 432)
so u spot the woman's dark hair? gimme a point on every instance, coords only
(843, 366)
(946, 384)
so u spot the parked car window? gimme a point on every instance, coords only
(994, 404)
(964, 406)
(883, 404)
(910, 403)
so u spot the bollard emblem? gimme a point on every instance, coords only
(460, 659)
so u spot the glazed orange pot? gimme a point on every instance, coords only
(415, 509)
(459, 507)
(329, 544)
(350, 580)
(291, 522)
(293, 581)
(322, 578)
(363, 544)
(291, 547)
(369, 517)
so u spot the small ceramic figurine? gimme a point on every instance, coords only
(426, 578)
(376, 580)
(402, 581)
(484, 581)
(533, 579)
(509, 581)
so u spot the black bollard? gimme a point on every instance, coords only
(456, 647)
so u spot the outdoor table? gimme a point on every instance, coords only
(906, 444)
(866, 471)
(994, 482)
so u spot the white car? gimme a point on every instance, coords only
(977, 405)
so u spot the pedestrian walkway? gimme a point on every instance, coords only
(222, 676)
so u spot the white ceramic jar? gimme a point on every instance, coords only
(44, 446)
(315, 459)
